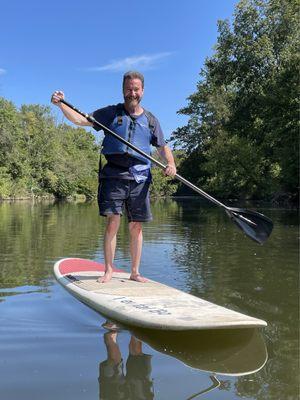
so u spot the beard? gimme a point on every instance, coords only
(132, 101)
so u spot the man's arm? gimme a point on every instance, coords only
(166, 153)
(70, 114)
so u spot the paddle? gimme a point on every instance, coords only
(255, 225)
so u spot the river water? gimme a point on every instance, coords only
(54, 347)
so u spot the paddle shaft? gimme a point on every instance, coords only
(150, 158)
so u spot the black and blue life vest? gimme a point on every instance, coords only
(139, 132)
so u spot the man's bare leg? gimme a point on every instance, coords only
(135, 346)
(112, 348)
(110, 242)
(136, 243)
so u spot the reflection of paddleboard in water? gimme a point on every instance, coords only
(226, 352)
(223, 352)
(148, 305)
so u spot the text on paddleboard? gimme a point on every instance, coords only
(145, 307)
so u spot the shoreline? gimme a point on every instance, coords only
(287, 202)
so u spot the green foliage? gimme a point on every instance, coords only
(38, 157)
(243, 118)
(6, 183)
(164, 186)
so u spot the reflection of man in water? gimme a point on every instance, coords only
(113, 383)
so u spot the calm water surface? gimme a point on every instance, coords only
(54, 347)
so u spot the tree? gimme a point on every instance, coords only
(39, 157)
(164, 186)
(244, 114)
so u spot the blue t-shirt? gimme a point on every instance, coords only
(118, 165)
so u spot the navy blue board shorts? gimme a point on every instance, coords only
(115, 195)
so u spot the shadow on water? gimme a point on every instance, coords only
(219, 352)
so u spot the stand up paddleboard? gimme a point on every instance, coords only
(148, 305)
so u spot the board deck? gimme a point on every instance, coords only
(148, 305)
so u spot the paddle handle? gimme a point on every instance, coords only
(91, 119)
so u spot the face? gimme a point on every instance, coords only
(133, 92)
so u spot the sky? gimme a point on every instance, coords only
(84, 48)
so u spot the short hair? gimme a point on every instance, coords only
(133, 75)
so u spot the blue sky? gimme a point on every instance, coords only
(84, 47)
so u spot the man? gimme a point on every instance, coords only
(125, 179)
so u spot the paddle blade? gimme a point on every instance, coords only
(255, 225)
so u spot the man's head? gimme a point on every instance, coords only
(133, 88)
(133, 75)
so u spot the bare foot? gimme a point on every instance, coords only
(138, 278)
(106, 277)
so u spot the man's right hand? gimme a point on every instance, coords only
(70, 114)
(57, 96)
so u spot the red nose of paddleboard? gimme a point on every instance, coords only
(79, 265)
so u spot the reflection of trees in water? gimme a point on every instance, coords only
(223, 266)
(34, 235)
(164, 213)
(274, 382)
(218, 263)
